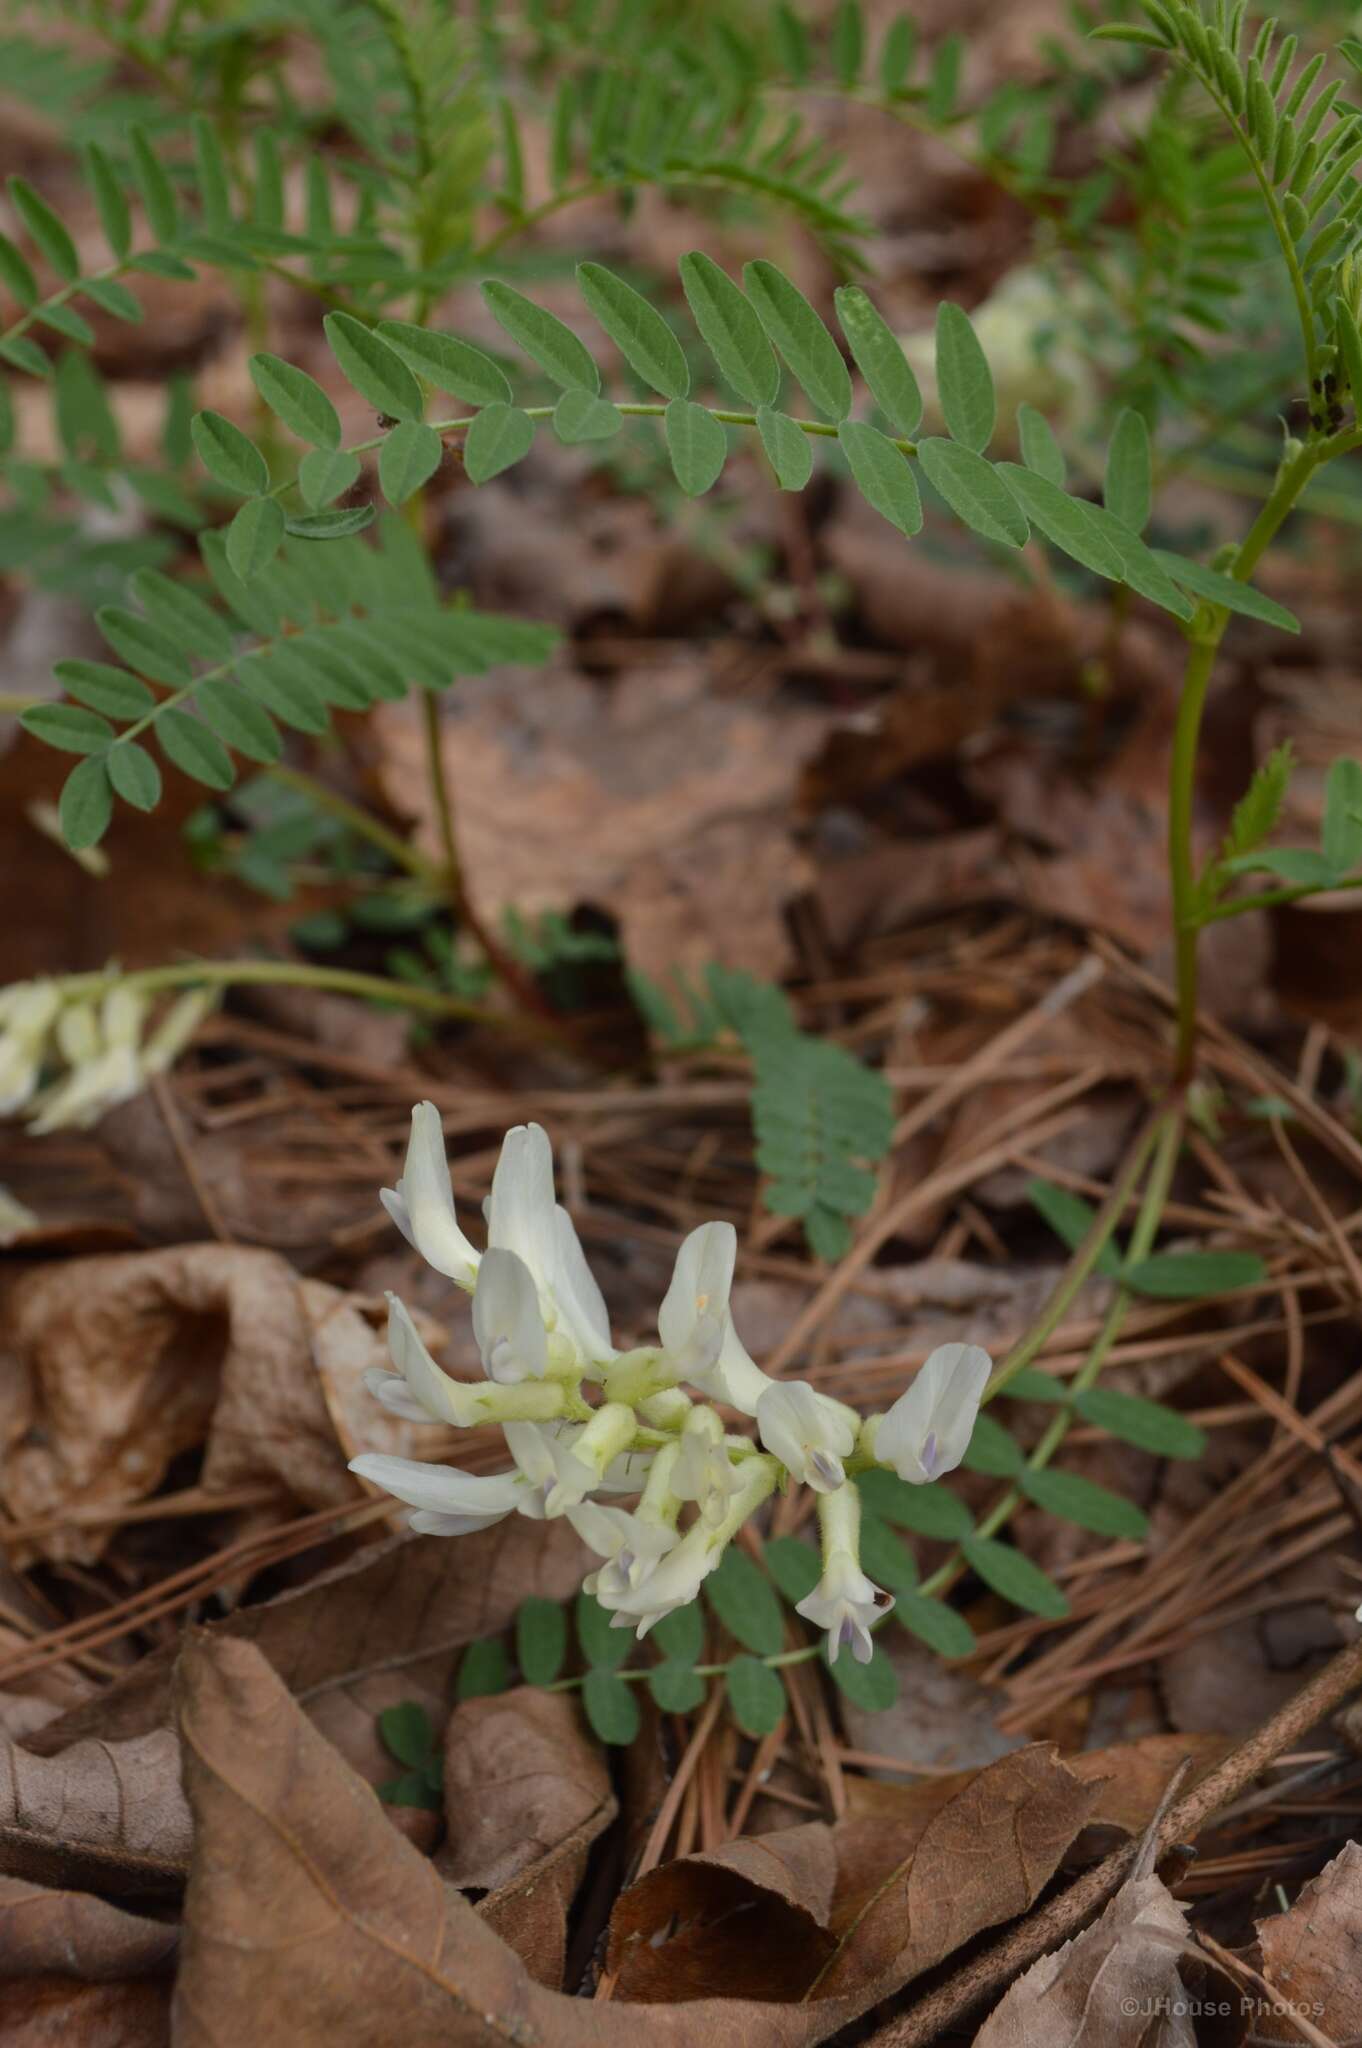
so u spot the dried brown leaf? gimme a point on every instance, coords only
(1312, 1954)
(74, 1934)
(1115, 1986)
(526, 1793)
(106, 1816)
(56, 2012)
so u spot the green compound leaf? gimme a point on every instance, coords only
(229, 455)
(935, 1624)
(697, 445)
(605, 1648)
(730, 329)
(1070, 1217)
(794, 1565)
(611, 1707)
(86, 803)
(677, 1688)
(448, 363)
(796, 330)
(1342, 836)
(964, 381)
(255, 536)
(181, 611)
(637, 329)
(883, 475)
(557, 350)
(755, 1694)
(1302, 867)
(485, 1669)
(541, 1638)
(324, 474)
(991, 1450)
(1147, 1424)
(787, 447)
(377, 372)
(1003, 1568)
(134, 775)
(886, 1557)
(407, 1733)
(191, 747)
(499, 436)
(879, 358)
(1139, 568)
(239, 720)
(69, 727)
(872, 1687)
(1074, 1499)
(1040, 450)
(1066, 521)
(1226, 590)
(680, 1635)
(582, 416)
(745, 1601)
(297, 399)
(1192, 1276)
(1128, 490)
(974, 490)
(408, 459)
(926, 1510)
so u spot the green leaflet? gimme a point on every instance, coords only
(1005, 1569)
(68, 727)
(974, 490)
(796, 330)
(338, 524)
(676, 1687)
(928, 1510)
(1075, 1499)
(254, 536)
(788, 449)
(1147, 1424)
(1128, 489)
(134, 775)
(377, 372)
(745, 1601)
(142, 645)
(484, 1669)
(637, 329)
(794, 1565)
(1342, 835)
(935, 1624)
(110, 691)
(730, 329)
(229, 455)
(1226, 590)
(964, 381)
(408, 459)
(324, 474)
(189, 744)
(298, 400)
(46, 228)
(581, 416)
(680, 1635)
(1193, 1276)
(86, 803)
(499, 436)
(1064, 520)
(540, 1640)
(1040, 450)
(556, 349)
(873, 1686)
(238, 720)
(697, 445)
(181, 612)
(611, 1707)
(879, 358)
(604, 1647)
(755, 1694)
(448, 363)
(883, 475)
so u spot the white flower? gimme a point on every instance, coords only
(422, 1203)
(448, 1502)
(509, 1329)
(524, 1218)
(845, 1601)
(582, 1316)
(927, 1431)
(176, 1028)
(631, 1544)
(101, 1051)
(678, 1576)
(27, 1012)
(809, 1432)
(420, 1392)
(695, 1324)
(564, 1465)
(703, 1471)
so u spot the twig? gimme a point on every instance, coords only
(1065, 1915)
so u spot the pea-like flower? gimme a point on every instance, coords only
(844, 1602)
(703, 1471)
(631, 1544)
(420, 1392)
(809, 1432)
(512, 1341)
(28, 1011)
(696, 1324)
(927, 1431)
(447, 1502)
(422, 1203)
(677, 1577)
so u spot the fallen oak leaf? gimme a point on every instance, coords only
(74, 1934)
(746, 1920)
(44, 2010)
(101, 1816)
(1312, 1955)
(526, 1793)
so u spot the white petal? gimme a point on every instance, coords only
(581, 1305)
(701, 1281)
(927, 1431)
(520, 1209)
(396, 1396)
(443, 1489)
(507, 1323)
(443, 1399)
(425, 1194)
(426, 1523)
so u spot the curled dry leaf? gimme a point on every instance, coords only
(305, 1917)
(526, 1793)
(44, 2011)
(73, 1934)
(106, 1816)
(749, 1918)
(125, 1361)
(1115, 1986)
(1312, 1954)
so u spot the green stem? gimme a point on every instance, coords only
(1270, 899)
(284, 973)
(357, 820)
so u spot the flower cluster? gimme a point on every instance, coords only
(543, 1336)
(66, 1058)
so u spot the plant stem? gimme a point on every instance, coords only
(356, 819)
(284, 973)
